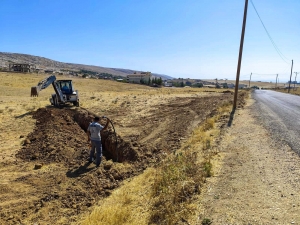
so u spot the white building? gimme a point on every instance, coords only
(168, 84)
(241, 86)
(137, 77)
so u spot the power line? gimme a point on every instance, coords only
(263, 74)
(273, 43)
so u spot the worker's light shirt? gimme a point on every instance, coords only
(95, 128)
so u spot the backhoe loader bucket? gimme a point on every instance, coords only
(34, 91)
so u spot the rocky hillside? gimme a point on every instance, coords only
(49, 64)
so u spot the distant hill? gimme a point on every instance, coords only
(49, 64)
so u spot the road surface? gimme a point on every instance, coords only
(280, 113)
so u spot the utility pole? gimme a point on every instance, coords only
(240, 56)
(216, 82)
(276, 81)
(250, 79)
(291, 76)
(295, 79)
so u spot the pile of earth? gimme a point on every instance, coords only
(59, 139)
(60, 136)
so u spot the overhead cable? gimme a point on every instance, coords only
(273, 43)
(263, 74)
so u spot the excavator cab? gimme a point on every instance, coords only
(65, 86)
(64, 92)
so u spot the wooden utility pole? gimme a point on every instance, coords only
(240, 56)
(250, 79)
(295, 79)
(276, 81)
(291, 76)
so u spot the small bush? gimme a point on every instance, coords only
(207, 144)
(209, 124)
(208, 169)
(206, 221)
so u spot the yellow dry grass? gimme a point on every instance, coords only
(130, 204)
(294, 91)
(261, 84)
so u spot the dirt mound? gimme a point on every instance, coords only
(59, 141)
(56, 138)
(60, 136)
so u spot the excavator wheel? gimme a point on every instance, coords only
(76, 103)
(55, 101)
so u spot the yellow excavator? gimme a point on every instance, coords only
(64, 91)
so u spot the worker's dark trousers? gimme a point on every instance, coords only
(96, 145)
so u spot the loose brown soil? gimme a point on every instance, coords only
(52, 183)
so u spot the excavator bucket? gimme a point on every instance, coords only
(34, 91)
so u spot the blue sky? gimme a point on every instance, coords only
(180, 38)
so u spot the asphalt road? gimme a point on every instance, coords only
(280, 114)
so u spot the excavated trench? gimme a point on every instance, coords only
(60, 136)
(114, 147)
(59, 143)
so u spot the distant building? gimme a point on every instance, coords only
(168, 84)
(138, 77)
(21, 67)
(49, 71)
(230, 85)
(241, 86)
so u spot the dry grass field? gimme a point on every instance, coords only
(166, 138)
(295, 90)
(260, 84)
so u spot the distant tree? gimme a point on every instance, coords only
(199, 85)
(181, 84)
(159, 81)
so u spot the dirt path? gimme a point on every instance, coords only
(256, 179)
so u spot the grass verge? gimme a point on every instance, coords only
(180, 177)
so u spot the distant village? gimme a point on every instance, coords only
(144, 78)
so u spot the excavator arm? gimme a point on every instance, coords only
(43, 84)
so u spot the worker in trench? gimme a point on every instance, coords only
(94, 136)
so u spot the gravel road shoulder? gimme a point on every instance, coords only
(256, 179)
